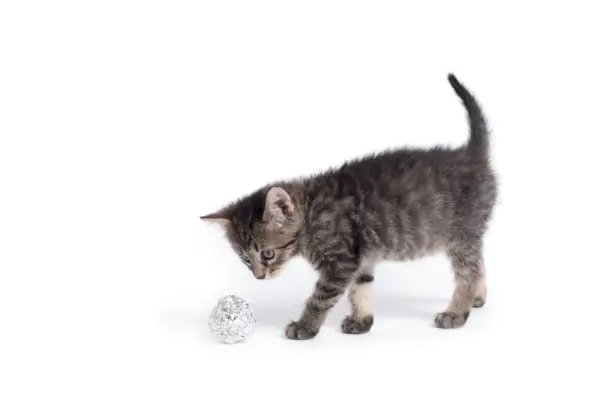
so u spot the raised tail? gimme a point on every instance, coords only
(478, 144)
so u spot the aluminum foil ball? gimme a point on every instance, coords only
(232, 319)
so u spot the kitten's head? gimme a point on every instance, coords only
(262, 229)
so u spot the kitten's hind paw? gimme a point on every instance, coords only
(354, 326)
(298, 331)
(450, 320)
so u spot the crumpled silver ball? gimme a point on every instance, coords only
(232, 319)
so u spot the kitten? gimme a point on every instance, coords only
(396, 205)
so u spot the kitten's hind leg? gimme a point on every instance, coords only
(467, 264)
(360, 296)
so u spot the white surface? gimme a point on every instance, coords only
(121, 122)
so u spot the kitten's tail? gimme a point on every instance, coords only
(478, 144)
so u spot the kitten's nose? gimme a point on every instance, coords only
(258, 272)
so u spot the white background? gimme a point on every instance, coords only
(123, 121)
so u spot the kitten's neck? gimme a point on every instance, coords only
(297, 190)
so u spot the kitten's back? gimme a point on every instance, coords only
(409, 201)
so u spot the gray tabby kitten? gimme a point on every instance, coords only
(397, 205)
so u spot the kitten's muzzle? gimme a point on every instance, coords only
(259, 272)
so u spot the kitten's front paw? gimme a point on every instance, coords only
(298, 331)
(478, 302)
(450, 320)
(357, 326)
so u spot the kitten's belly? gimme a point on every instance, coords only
(407, 252)
(400, 253)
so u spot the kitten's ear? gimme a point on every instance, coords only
(278, 205)
(220, 217)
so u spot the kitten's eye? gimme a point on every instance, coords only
(267, 254)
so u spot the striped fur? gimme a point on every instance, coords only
(396, 205)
